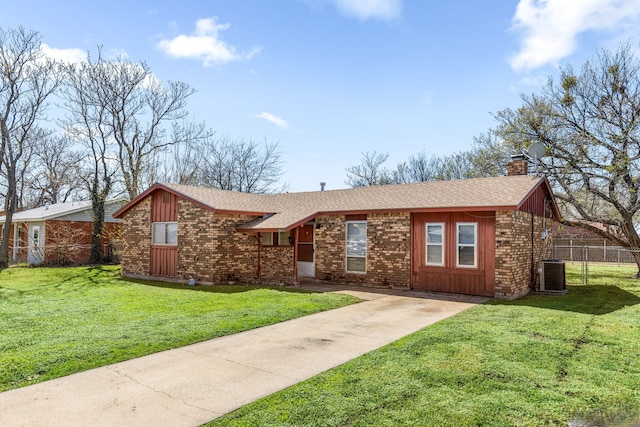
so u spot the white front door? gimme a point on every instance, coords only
(36, 244)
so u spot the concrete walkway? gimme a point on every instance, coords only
(191, 385)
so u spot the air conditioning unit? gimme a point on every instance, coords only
(552, 277)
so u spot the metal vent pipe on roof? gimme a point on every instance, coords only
(322, 184)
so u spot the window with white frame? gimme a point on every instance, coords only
(165, 233)
(19, 236)
(467, 244)
(435, 244)
(356, 246)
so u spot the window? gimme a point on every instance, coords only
(356, 246)
(19, 235)
(36, 236)
(283, 238)
(165, 233)
(435, 244)
(280, 238)
(467, 249)
(267, 239)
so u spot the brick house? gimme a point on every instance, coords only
(479, 236)
(59, 233)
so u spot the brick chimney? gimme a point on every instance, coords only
(518, 165)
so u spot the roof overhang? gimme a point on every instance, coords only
(256, 225)
(158, 186)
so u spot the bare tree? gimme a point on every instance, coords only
(27, 79)
(88, 122)
(240, 165)
(418, 168)
(140, 114)
(590, 123)
(370, 171)
(179, 163)
(54, 175)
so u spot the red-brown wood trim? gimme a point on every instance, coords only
(547, 188)
(424, 210)
(225, 211)
(258, 230)
(355, 217)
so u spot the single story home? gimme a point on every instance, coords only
(481, 236)
(60, 233)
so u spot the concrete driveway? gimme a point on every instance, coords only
(191, 385)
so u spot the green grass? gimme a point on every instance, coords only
(541, 360)
(57, 321)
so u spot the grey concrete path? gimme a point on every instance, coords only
(191, 385)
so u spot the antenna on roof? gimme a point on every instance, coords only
(535, 152)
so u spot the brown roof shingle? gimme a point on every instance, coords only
(290, 209)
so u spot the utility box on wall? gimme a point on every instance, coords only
(552, 276)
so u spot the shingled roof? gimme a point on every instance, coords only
(58, 210)
(285, 211)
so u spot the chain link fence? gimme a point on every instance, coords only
(609, 254)
(600, 253)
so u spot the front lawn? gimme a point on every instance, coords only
(57, 321)
(541, 360)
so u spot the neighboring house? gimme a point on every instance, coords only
(59, 233)
(478, 236)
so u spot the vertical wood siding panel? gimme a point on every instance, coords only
(164, 261)
(478, 281)
(164, 207)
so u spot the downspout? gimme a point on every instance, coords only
(258, 268)
(533, 274)
(295, 256)
(411, 250)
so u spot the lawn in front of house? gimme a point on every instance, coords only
(540, 360)
(57, 321)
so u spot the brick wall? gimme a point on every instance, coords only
(513, 252)
(388, 257)
(388, 249)
(136, 248)
(330, 247)
(69, 242)
(209, 248)
(276, 264)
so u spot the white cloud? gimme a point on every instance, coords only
(72, 56)
(204, 44)
(273, 119)
(550, 27)
(386, 10)
(116, 54)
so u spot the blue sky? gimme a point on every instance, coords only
(331, 79)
